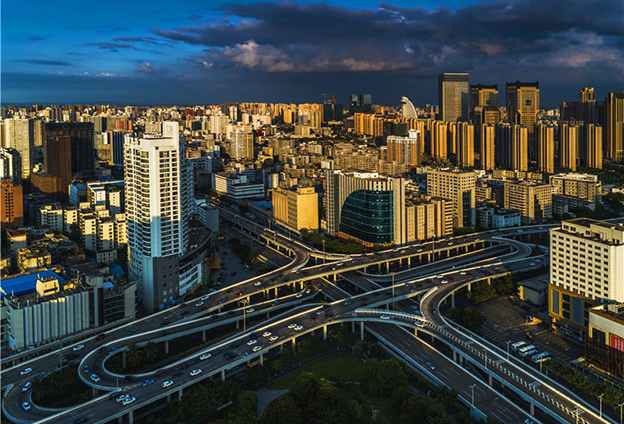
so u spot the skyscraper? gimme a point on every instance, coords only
(511, 146)
(405, 149)
(593, 146)
(19, 135)
(614, 128)
(407, 108)
(465, 144)
(82, 144)
(438, 135)
(523, 103)
(569, 135)
(453, 96)
(487, 137)
(57, 162)
(545, 138)
(11, 204)
(11, 165)
(156, 219)
(242, 145)
(482, 96)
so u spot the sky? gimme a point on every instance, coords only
(157, 52)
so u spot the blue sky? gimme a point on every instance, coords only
(208, 52)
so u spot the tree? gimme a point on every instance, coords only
(135, 356)
(447, 396)
(248, 401)
(150, 352)
(283, 410)
(53, 381)
(481, 292)
(38, 389)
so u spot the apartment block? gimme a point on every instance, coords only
(459, 188)
(296, 208)
(533, 199)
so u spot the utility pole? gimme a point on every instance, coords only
(393, 305)
(600, 398)
(508, 350)
(472, 389)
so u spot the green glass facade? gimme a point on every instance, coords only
(368, 216)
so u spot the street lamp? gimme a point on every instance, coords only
(472, 389)
(508, 350)
(620, 405)
(393, 306)
(600, 397)
(323, 252)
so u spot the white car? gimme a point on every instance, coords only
(204, 297)
(250, 310)
(167, 384)
(290, 326)
(462, 273)
(298, 295)
(299, 327)
(385, 317)
(266, 334)
(195, 372)
(122, 398)
(78, 347)
(129, 401)
(205, 356)
(258, 283)
(257, 348)
(443, 281)
(95, 378)
(198, 304)
(26, 405)
(252, 342)
(27, 386)
(273, 338)
(439, 276)
(26, 371)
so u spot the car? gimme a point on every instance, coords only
(26, 371)
(273, 338)
(385, 317)
(128, 401)
(340, 264)
(538, 260)
(532, 264)
(200, 303)
(131, 331)
(100, 336)
(439, 276)
(308, 291)
(252, 342)
(250, 310)
(528, 421)
(85, 369)
(258, 283)
(540, 228)
(299, 295)
(346, 302)
(167, 384)
(26, 386)
(462, 273)
(275, 303)
(80, 346)
(519, 231)
(205, 356)
(204, 297)
(81, 420)
(147, 382)
(257, 348)
(95, 378)
(329, 314)
(266, 333)
(202, 309)
(112, 349)
(26, 405)
(195, 372)
(430, 365)
(443, 281)
(162, 371)
(292, 325)
(299, 327)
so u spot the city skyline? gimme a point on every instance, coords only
(292, 52)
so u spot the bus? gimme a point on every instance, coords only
(540, 357)
(528, 353)
(525, 349)
(517, 345)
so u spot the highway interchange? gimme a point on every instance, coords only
(458, 262)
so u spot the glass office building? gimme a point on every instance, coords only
(368, 215)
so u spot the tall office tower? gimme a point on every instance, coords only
(486, 115)
(242, 145)
(11, 165)
(439, 140)
(487, 135)
(586, 266)
(360, 103)
(365, 207)
(82, 143)
(483, 95)
(57, 162)
(218, 123)
(614, 128)
(38, 132)
(533, 199)
(116, 139)
(585, 109)
(405, 149)
(19, 135)
(459, 188)
(511, 146)
(568, 145)
(593, 145)
(156, 219)
(545, 137)
(11, 204)
(523, 103)
(465, 144)
(453, 96)
(407, 108)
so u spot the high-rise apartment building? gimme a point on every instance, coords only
(404, 149)
(296, 208)
(545, 140)
(453, 96)
(533, 199)
(512, 146)
(465, 144)
(156, 220)
(438, 135)
(614, 128)
(19, 135)
(586, 109)
(57, 162)
(569, 138)
(11, 165)
(365, 207)
(427, 218)
(593, 146)
(82, 142)
(483, 95)
(487, 138)
(523, 103)
(586, 265)
(459, 188)
(11, 204)
(242, 146)
(360, 103)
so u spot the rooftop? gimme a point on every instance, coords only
(24, 284)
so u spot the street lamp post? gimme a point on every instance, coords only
(323, 252)
(393, 305)
(621, 405)
(600, 397)
(508, 350)
(472, 389)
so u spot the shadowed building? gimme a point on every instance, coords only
(82, 143)
(523, 103)
(453, 96)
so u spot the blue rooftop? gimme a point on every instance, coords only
(263, 204)
(116, 269)
(24, 284)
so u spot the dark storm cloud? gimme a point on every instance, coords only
(46, 62)
(114, 47)
(291, 37)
